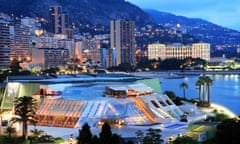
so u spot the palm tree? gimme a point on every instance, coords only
(25, 108)
(184, 86)
(199, 83)
(208, 82)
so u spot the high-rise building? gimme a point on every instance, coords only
(123, 40)
(179, 51)
(20, 42)
(4, 44)
(58, 22)
(64, 21)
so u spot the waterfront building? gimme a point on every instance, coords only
(134, 103)
(4, 44)
(179, 51)
(123, 40)
(156, 51)
(201, 50)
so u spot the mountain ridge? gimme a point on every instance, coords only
(80, 11)
(203, 30)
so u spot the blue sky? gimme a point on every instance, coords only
(221, 12)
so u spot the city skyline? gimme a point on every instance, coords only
(219, 12)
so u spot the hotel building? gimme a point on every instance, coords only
(179, 51)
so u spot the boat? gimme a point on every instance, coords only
(173, 76)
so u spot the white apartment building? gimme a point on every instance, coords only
(156, 51)
(201, 50)
(179, 51)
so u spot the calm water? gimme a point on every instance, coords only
(225, 89)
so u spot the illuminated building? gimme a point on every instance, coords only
(123, 40)
(156, 51)
(201, 50)
(59, 21)
(20, 41)
(50, 57)
(179, 51)
(4, 44)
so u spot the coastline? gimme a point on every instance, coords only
(182, 73)
(220, 109)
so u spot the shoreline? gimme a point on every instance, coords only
(187, 72)
(221, 109)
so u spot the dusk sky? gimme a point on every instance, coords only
(222, 12)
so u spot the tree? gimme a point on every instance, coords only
(143, 63)
(152, 136)
(105, 134)
(25, 108)
(228, 132)
(184, 86)
(140, 136)
(208, 82)
(116, 139)
(184, 140)
(170, 94)
(204, 82)
(126, 67)
(171, 64)
(95, 140)
(15, 66)
(199, 83)
(85, 135)
(173, 97)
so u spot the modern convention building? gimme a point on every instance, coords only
(72, 101)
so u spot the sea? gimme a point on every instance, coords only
(225, 89)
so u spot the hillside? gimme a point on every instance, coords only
(201, 29)
(80, 11)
